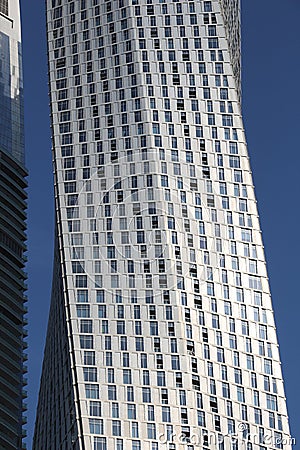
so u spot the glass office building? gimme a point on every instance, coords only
(12, 230)
(161, 332)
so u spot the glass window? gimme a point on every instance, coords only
(131, 411)
(100, 443)
(96, 426)
(166, 414)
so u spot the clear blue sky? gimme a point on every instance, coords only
(271, 99)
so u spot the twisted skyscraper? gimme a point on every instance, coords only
(161, 332)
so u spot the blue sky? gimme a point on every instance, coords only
(271, 75)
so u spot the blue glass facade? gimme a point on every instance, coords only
(11, 98)
(12, 232)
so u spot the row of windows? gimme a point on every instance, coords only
(92, 391)
(152, 312)
(86, 326)
(57, 8)
(87, 342)
(96, 425)
(101, 443)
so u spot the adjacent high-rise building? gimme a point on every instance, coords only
(161, 332)
(12, 230)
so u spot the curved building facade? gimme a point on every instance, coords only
(12, 231)
(161, 332)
